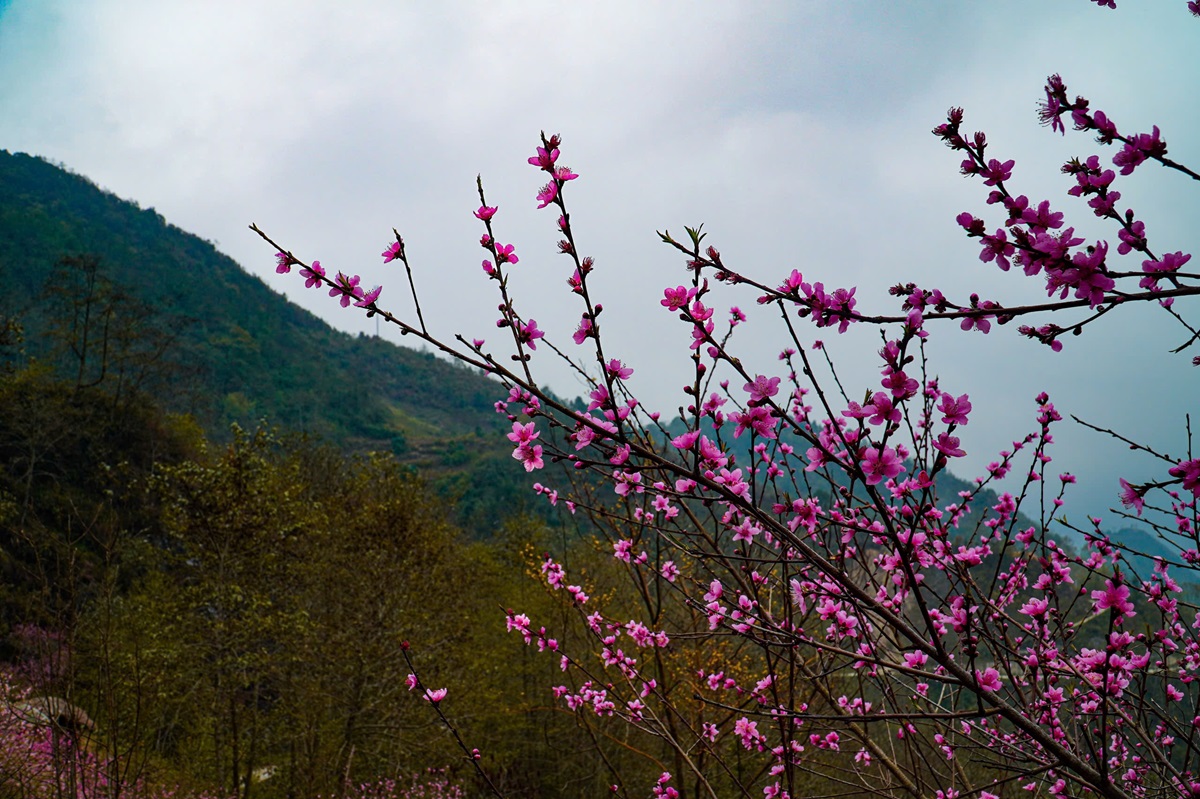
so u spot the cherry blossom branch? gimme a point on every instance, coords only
(434, 697)
(869, 582)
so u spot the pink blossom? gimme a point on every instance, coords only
(662, 789)
(948, 446)
(1114, 596)
(955, 410)
(369, 297)
(676, 298)
(881, 464)
(523, 433)
(1162, 268)
(791, 283)
(435, 695)
(746, 531)
(575, 281)
(997, 248)
(1131, 496)
(547, 194)
(686, 440)
(882, 409)
(996, 172)
(528, 333)
(312, 275)
(1035, 607)
(758, 419)
(505, 254)
(1133, 238)
(626, 482)
(712, 454)
(394, 251)
(584, 331)
(988, 679)
(520, 623)
(970, 223)
(599, 397)
(1140, 147)
(1042, 218)
(618, 370)
(979, 323)
(856, 411)
(530, 456)
(486, 212)
(347, 287)
(583, 437)
(747, 730)
(545, 158)
(1189, 473)
(901, 385)
(762, 388)
(283, 263)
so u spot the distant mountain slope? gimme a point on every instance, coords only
(245, 350)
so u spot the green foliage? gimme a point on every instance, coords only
(66, 457)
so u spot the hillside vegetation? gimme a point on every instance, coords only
(107, 290)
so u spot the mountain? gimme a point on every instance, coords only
(1144, 548)
(107, 290)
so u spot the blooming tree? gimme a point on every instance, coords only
(805, 604)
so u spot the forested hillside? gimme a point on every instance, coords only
(108, 291)
(208, 610)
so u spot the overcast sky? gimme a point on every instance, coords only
(797, 132)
